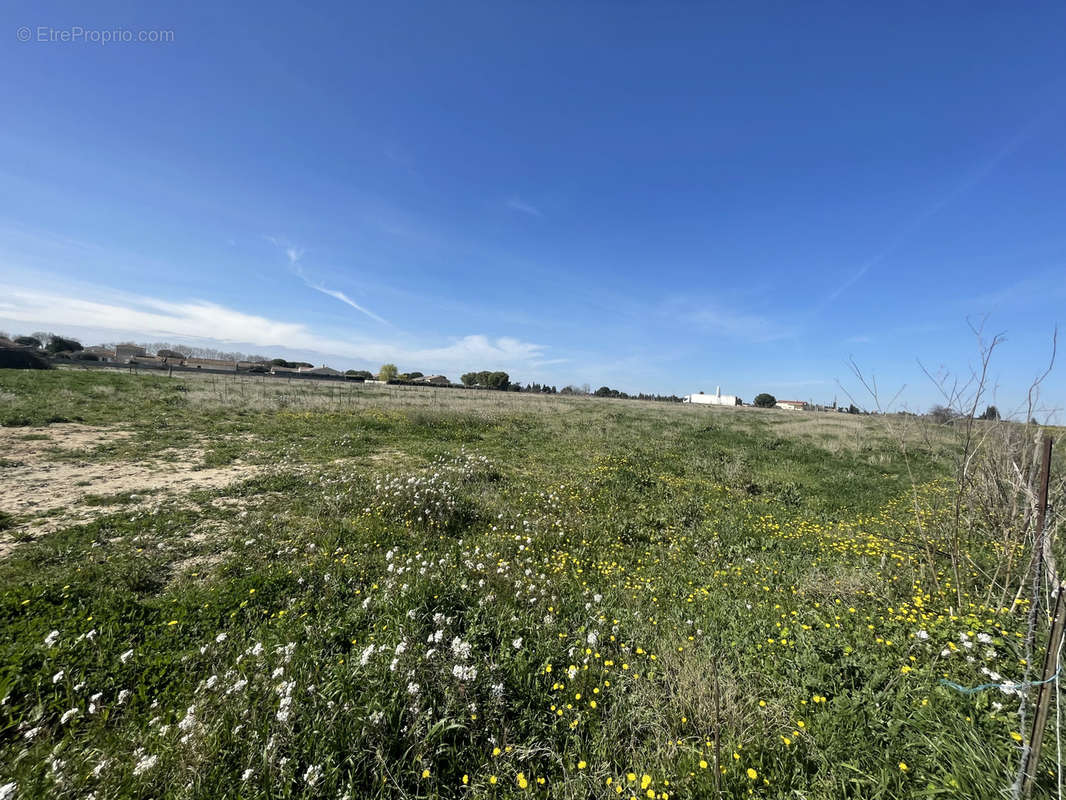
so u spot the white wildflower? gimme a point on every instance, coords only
(312, 775)
(189, 720)
(220, 638)
(67, 715)
(923, 635)
(49, 641)
(58, 677)
(123, 696)
(517, 643)
(145, 764)
(413, 688)
(460, 649)
(367, 653)
(464, 673)
(125, 656)
(212, 681)
(248, 773)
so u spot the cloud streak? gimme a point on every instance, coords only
(295, 255)
(517, 204)
(346, 299)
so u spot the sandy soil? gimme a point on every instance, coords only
(32, 482)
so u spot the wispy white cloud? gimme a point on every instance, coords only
(295, 255)
(517, 204)
(346, 299)
(126, 315)
(740, 325)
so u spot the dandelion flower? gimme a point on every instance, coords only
(903, 766)
(425, 773)
(581, 765)
(521, 780)
(752, 774)
(703, 764)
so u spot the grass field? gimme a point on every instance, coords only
(220, 587)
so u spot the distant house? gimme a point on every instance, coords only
(102, 353)
(716, 399)
(434, 380)
(124, 352)
(792, 405)
(321, 371)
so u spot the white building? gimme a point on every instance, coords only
(716, 399)
(792, 405)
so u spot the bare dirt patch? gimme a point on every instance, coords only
(45, 494)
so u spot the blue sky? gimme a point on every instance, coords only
(654, 196)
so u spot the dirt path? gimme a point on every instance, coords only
(33, 482)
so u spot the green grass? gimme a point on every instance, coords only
(315, 631)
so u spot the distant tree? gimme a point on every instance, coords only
(365, 374)
(170, 354)
(388, 372)
(412, 375)
(941, 414)
(603, 391)
(991, 413)
(57, 344)
(17, 358)
(28, 341)
(765, 400)
(468, 378)
(853, 409)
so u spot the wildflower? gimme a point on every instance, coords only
(145, 764)
(521, 780)
(248, 773)
(365, 657)
(313, 773)
(903, 766)
(703, 764)
(67, 715)
(1015, 736)
(492, 779)
(752, 774)
(413, 688)
(49, 641)
(189, 720)
(123, 696)
(58, 677)
(581, 765)
(517, 643)
(220, 638)
(645, 780)
(125, 656)
(463, 673)
(425, 773)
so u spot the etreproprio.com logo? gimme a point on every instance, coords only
(77, 34)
